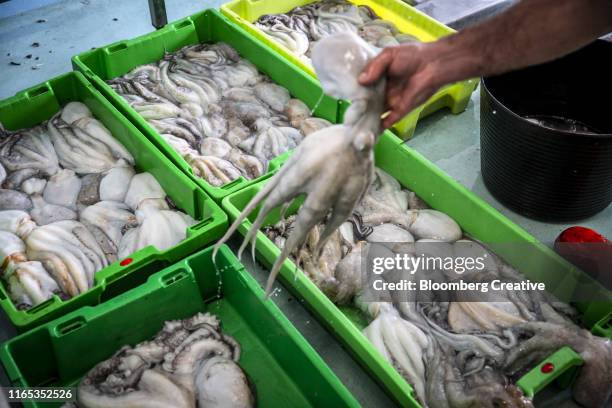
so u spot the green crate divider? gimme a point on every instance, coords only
(563, 361)
(603, 327)
(407, 19)
(440, 191)
(116, 59)
(284, 368)
(32, 106)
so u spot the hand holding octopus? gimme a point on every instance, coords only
(333, 167)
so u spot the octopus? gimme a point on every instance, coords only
(454, 351)
(71, 203)
(302, 27)
(189, 362)
(224, 118)
(333, 167)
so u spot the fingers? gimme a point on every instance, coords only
(395, 93)
(402, 103)
(392, 118)
(398, 102)
(376, 67)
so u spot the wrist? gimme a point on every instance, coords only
(454, 59)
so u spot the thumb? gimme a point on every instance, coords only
(376, 67)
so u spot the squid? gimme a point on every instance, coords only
(332, 167)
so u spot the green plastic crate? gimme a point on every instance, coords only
(474, 215)
(208, 26)
(32, 106)
(406, 18)
(284, 368)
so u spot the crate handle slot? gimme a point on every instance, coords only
(183, 24)
(41, 306)
(233, 183)
(608, 323)
(604, 326)
(38, 91)
(116, 48)
(173, 277)
(70, 326)
(202, 223)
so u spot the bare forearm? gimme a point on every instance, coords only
(532, 32)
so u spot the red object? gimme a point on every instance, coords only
(582, 235)
(588, 250)
(547, 368)
(125, 262)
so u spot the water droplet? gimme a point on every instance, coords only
(219, 279)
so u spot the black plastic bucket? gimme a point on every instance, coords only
(546, 136)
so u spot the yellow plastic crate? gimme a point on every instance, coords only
(406, 18)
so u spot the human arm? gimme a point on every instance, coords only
(529, 33)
